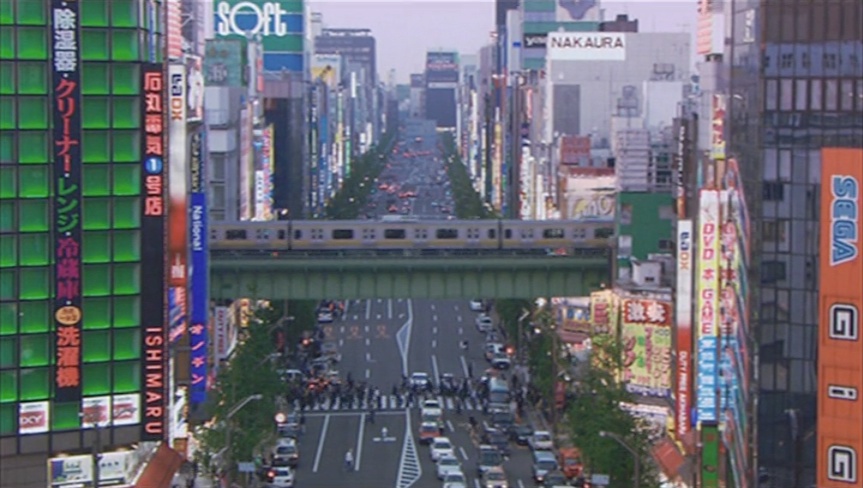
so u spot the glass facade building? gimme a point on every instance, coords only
(114, 38)
(796, 86)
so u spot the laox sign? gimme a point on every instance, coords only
(254, 18)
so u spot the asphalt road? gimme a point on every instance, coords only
(383, 339)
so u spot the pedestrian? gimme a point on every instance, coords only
(470, 370)
(349, 460)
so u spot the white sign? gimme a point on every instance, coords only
(126, 409)
(587, 46)
(33, 418)
(265, 18)
(115, 468)
(71, 471)
(220, 324)
(95, 411)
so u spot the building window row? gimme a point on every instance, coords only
(35, 316)
(801, 94)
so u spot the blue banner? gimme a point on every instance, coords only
(706, 380)
(200, 299)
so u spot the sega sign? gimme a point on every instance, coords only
(844, 212)
(265, 18)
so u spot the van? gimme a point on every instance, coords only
(498, 392)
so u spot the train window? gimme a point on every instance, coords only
(446, 233)
(262, 234)
(579, 233)
(492, 234)
(507, 234)
(603, 233)
(421, 234)
(343, 234)
(298, 234)
(282, 234)
(394, 233)
(552, 234)
(235, 234)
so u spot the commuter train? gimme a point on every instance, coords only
(304, 235)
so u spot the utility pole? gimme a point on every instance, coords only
(94, 418)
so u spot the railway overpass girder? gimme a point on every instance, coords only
(407, 278)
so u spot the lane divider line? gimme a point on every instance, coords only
(359, 449)
(324, 428)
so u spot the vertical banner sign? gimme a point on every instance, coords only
(708, 305)
(683, 313)
(66, 80)
(840, 345)
(177, 218)
(717, 129)
(154, 338)
(646, 336)
(199, 340)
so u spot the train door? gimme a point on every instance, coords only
(420, 235)
(473, 236)
(368, 236)
(316, 237)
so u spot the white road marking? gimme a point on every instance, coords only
(458, 318)
(434, 343)
(341, 342)
(356, 317)
(368, 373)
(359, 455)
(380, 300)
(464, 366)
(476, 483)
(403, 338)
(434, 317)
(367, 329)
(463, 453)
(410, 469)
(390, 308)
(460, 331)
(368, 357)
(378, 316)
(347, 307)
(434, 330)
(321, 443)
(435, 371)
(368, 341)
(520, 483)
(450, 426)
(342, 329)
(401, 315)
(432, 306)
(456, 307)
(368, 309)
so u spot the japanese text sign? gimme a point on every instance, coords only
(646, 312)
(707, 311)
(153, 319)
(66, 81)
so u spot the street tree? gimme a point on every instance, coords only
(596, 408)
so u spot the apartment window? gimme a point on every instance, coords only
(831, 94)
(770, 94)
(772, 271)
(666, 245)
(784, 165)
(859, 95)
(786, 61)
(773, 191)
(830, 61)
(847, 95)
(815, 95)
(804, 61)
(786, 93)
(801, 94)
(774, 230)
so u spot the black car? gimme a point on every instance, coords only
(498, 439)
(502, 419)
(520, 433)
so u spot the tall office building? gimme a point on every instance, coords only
(83, 342)
(795, 88)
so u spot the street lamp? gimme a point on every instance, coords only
(233, 411)
(611, 435)
(95, 418)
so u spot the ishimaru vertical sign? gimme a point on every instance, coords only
(153, 209)
(68, 315)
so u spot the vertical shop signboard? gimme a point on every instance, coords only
(68, 314)
(840, 345)
(153, 319)
(710, 455)
(708, 305)
(683, 316)
(178, 310)
(199, 338)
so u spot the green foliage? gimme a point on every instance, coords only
(596, 408)
(354, 193)
(468, 203)
(249, 372)
(509, 310)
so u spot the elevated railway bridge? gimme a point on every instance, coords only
(438, 259)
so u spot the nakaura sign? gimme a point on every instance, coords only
(579, 46)
(242, 18)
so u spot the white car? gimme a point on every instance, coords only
(420, 380)
(541, 441)
(431, 408)
(325, 317)
(476, 305)
(454, 479)
(484, 323)
(447, 464)
(441, 447)
(281, 477)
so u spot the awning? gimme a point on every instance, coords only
(160, 470)
(669, 458)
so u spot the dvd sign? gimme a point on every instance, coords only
(33, 418)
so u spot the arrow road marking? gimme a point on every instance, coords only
(403, 338)
(410, 469)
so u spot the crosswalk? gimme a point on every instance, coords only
(388, 402)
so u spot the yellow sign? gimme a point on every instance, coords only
(647, 359)
(68, 315)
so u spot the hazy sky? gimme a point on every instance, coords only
(405, 29)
